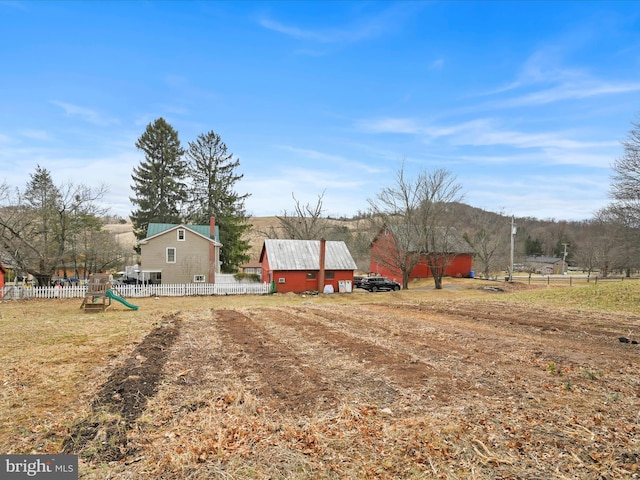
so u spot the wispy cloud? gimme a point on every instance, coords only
(390, 125)
(488, 135)
(15, 4)
(36, 134)
(86, 114)
(436, 64)
(544, 201)
(362, 28)
(339, 160)
(543, 79)
(482, 131)
(570, 92)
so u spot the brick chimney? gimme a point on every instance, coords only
(323, 250)
(212, 250)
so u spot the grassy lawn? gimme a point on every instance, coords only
(236, 422)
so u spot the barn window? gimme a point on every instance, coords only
(281, 280)
(181, 235)
(311, 275)
(330, 275)
(198, 278)
(171, 255)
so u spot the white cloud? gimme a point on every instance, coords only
(569, 92)
(86, 114)
(36, 134)
(480, 132)
(362, 28)
(539, 196)
(544, 69)
(436, 64)
(338, 160)
(390, 125)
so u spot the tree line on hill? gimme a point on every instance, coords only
(47, 228)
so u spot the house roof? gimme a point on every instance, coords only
(155, 229)
(253, 263)
(305, 255)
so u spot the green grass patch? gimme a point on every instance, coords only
(613, 297)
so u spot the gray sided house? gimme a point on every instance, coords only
(544, 265)
(182, 253)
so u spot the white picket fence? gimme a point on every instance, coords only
(15, 292)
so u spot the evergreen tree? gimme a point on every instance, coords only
(212, 194)
(159, 181)
(42, 198)
(532, 247)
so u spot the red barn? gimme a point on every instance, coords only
(459, 258)
(306, 265)
(3, 272)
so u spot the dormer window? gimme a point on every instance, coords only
(181, 235)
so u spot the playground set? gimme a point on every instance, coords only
(99, 294)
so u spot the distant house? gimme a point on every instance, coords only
(181, 253)
(544, 265)
(460, 255)
(252, 268)
(306, 265)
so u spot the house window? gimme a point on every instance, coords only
(311, 275)
(198, 278)
(181, 235)
(171, 255)
(330, 275)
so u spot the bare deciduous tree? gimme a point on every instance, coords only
(305, 222)
(443, 243)
(37, 226)
(625, 188)
(488, 235)
(415, 220)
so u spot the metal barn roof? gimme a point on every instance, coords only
(305, 255)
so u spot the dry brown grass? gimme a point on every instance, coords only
(467, 382)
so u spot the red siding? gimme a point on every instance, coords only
(2, 272)
(296, 281)
(460, 266)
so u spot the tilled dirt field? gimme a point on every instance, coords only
(462, 389)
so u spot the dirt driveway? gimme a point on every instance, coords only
(449, 389)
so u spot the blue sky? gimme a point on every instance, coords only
(524, 102)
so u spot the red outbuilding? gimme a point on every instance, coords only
(3, 272)
(458, 258)
(307, 265)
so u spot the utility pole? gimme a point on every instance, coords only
(513, 236)
(564, 256)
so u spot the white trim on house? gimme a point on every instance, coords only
(145, 240)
